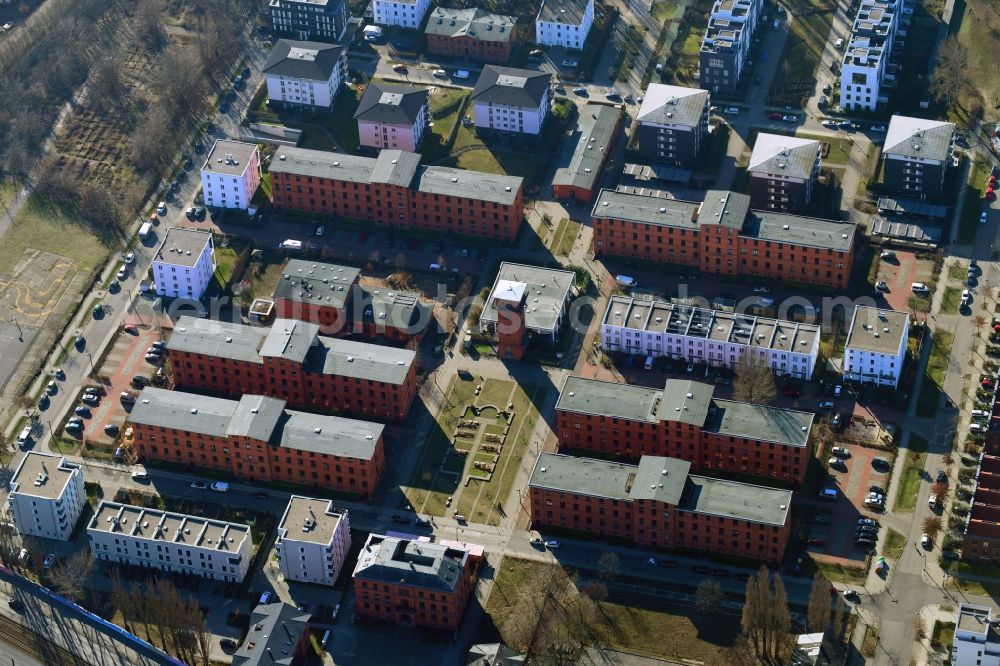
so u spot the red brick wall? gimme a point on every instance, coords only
(596, 515)
(720, 534)
(331, 320)
(399, 602)
(260, 461)
(649, 242)
(497, 53)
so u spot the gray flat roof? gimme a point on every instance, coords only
(760, 422)
(430, 566)
(316, 283)
(310, 520)
(548, 289)
(731, 499)
(466, 184)
(229, 157)
(289, 339)
(680, 400)
(799, 230)
(347, 358)
(330, 435)
(614, 205)
(655, 478)
(42, 475)
(567, 12)
(217, 338)
(878, 331)
(581, 160)
(168, 526)
(322, 164)
(182, 247)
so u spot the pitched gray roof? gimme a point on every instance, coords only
(473, 22)
(255, 416)
(582, 160)
(430, 566)
(316, 282)
(331, 435)
(774, 154)
(611, 204)
(391, 104)
(673, 105)
(275, 631)
(314, 61)
(217, 338)
(515, 87)
(680, 400)
(917, 137)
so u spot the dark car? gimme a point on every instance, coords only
(17, 606)
(876, 489)
(199, 212)
(701, 569)
(721, 573)
(82, 410)
(667, 564)
(743, 577)
(262, 496)
(140, 381)
(81, 342)
(402, 520)
(227, 644)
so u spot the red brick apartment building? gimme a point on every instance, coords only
(330, 295)
(256, 438)
(580, 165)
(683, 420)
(394, 191)
(658, 504)
(413, 582)
(981, 542)
(291, 362)
(722, 236)
(472, 33)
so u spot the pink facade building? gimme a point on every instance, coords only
(391, 116)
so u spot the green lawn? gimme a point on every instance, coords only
(957, 272)
(839, 150)
(225, 260)
(565, 237)
(894, 542)
(662, 10)
(810, 29)
(950, 299)
(909, 481)
(7, 191)
(44, 226)
(445, 103)
(943, 635)
(264, 277)
(839, 573)
(937, 365)
(979, 29)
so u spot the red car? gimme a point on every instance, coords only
(996, 328)
(816, 542)
(987, 383)
(990, 196)
(792, 393)
(774, 116)
(992, 182)
(131, 328)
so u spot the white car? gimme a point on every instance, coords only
(551, 543)
(983, 218)
(569, 63)
(7, 26)
(50, 559)
(130, 258)
(831, 124)
(925, 541)
(219, 487)
(839, 43)
(161, 207)
(878, 128)
(840, 451)
(320, 230)
(440, 73)
(760, 290)
(790, 118)
(123, 272)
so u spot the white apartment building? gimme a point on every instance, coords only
(564, 23)
(231, 174)
(46, 496)
(976, 641)
(719, 339)
(313, 540)
(168, 541)
(404, 13)
(876, 346)
(511, 100)
(304, 75)
(866, 58)
(184, 263)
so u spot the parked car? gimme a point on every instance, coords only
(837, 420)
(790, 118)
(123, 272)
(199, 485)
(878, 128)
(580, 90)
(90, 399)
(569, 62)
(774, 115)
(551, 544)
(50, 559)
(440, 73)
(140, 381)
(841, 452)
(925, 541)
(130, 258)
(791, 393)
(399, 67)
(219, 487)
(837, 463)
(111, 430)
(82, 410)
(830, 124)
(402, 520)
(867, 521)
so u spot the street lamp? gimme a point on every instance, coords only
(13, 318)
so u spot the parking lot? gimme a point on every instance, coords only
(853, 480)
(900, 274)
(126, 359)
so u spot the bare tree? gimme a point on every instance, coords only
(920, 626)
(107, 87)
(754, 381)
(69, 577)
(9, 545)
(708, 596)
(839, 618)
(950, 75)
(932, 526)
(819, 604)
(149, 24)
(607, 565)
(766, 620)
(121, 599)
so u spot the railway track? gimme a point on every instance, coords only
(18, 636)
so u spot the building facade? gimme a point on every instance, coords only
(916, 157)
(256, 438)
(725, 47)
(184, 264)
(291, 362)
(722, 236)
(981, 539)
(46, 496)
(313, 540)
(658, 504)
(413, 582)
(174, 542)
(976, 641)
(472, 33)
(511, 100)
(866, 58)
(564, 23)
(231, 174)
(683, 420)
(324, 20)
(305, 75)
(394, 191)
(783, 171)
(673, 124)
(544, 293)
(875, 349)
(392, 116)
(715, 338)
(402, 13)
